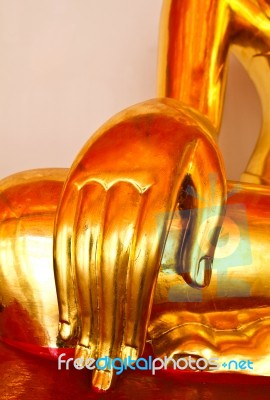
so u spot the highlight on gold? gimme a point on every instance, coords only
(143, 239)
(195, 38)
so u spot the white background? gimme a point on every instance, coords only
(68, 65)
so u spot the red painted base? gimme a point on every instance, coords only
(27, 377)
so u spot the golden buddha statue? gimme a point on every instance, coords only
(222, 317)
(142, 160)
(126, 239)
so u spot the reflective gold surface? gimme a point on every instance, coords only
(113, 219)
(123, 243)
(230, 318)
(195, 38)
(214, 321)
(28, 202)
(27, 378)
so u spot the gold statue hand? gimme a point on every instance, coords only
(113, 220)
(194, 44)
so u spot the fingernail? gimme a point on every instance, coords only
(129, 352)
(102, 380)
(64, 330)
(82, 352)
(204, 271)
